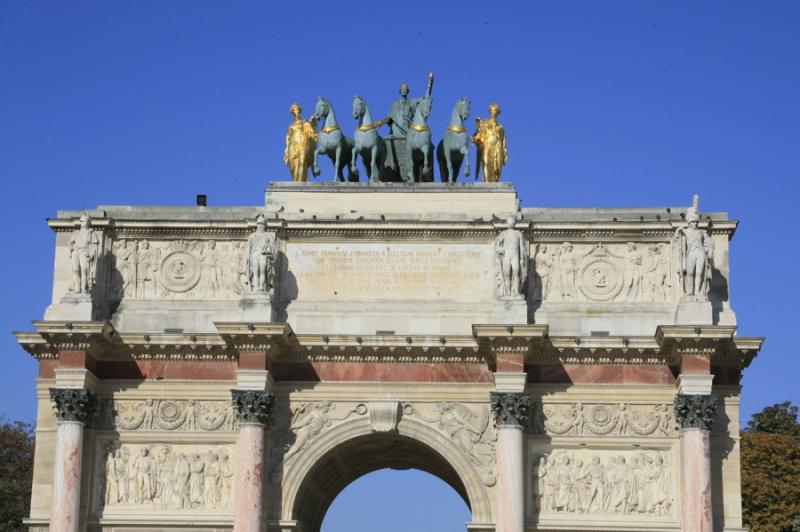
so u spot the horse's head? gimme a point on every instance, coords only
(359, 107)
(424, 108)
(463, 108)
(322, 108)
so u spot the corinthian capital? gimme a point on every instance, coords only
(696, 411)
(73, 404)
(253, 406)
(511, 409)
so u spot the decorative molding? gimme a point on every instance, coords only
(696, 411)
(603, 419)
(253, 406)
(511, 409)
(73, 404)
(157, 415)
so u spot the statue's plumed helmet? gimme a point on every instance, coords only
(260, 220)
(85, 218)
(693, 212)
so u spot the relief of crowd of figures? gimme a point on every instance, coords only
(469, 431)
(167, 415)
(621, 419)
(180, 269)
(603, 482)
(168, 477)
(632, 272)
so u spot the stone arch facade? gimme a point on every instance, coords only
(317, 473)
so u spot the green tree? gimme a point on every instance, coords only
(16, 474)
(771, 470)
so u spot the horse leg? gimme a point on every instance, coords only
(409, 177)
(354, 156)
(448, 156)
(465, 154)
(373, 175)
(426, 149)
(315, 168)
(338, 164)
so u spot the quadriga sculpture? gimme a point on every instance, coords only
(419, 148)
(453, 149)
(333, 142)
(368, 143)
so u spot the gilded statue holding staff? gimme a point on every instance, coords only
(301, 143)
(490, 140)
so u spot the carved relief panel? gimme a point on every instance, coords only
(184, 269)
(165, 477)
(603, 419)
(156, 415)
(611, 483)
(633, 272)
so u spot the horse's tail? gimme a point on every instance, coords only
(444, 175)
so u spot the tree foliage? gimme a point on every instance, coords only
(16, 474)
(771, 470)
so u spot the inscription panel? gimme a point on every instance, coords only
(361, 272)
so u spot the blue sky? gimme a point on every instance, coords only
(616, 103)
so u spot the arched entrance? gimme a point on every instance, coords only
(354, 448)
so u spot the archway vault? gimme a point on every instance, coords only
(352, 449)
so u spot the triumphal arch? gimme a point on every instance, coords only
(234, 368)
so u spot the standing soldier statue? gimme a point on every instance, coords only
(301, 142)
(490, 140)
(83, 253)
(695, 254)
(261, 255)
(511, 252)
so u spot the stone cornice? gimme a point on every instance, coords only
(718, 342)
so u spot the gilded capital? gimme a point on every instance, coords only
(253, 406)
(73, 404)
(511, 409)
(696, 411)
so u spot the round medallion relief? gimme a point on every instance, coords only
(180, 271)
(600, 279)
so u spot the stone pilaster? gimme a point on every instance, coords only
(254, 408)
(511, 412)
(696, 414)
(73, 407)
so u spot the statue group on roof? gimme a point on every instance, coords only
(407, 154)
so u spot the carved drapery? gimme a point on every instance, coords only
(696, 411)
(511, 409)
(73, 404)
(253, 406)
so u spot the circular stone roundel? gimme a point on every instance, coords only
(600, 279)
(180, 271)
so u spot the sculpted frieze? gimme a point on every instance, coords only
(603, 482)
(164, 476)
(632, 272)
(467, 428)
(587, 419)
(167, 415)
(195, 269)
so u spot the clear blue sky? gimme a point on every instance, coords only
(637, 103)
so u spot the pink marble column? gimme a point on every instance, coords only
(696, 413)
(511, 413)
(510, 484)
(254, 408)
(249, 515)
(696, 492)
(65, 508)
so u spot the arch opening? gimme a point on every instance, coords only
(351, 460)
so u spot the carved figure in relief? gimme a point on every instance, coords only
(307, 424)
(212, 480)
(261, 255)
(147, 270)
(211, 270)
(146, 476)
(595, 493)
(490, 141)
(632, 279)
(84, 246)
(183, 471)
(568, 266)
(112, 480)
(695, 254)
(226, 475)
(166, 475)
(543, 265)
(196, 481)
(126, 265)
(512, 259)
(656, 274)
(301, 143)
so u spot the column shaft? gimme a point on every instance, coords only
(65, 508)
(510, 482)
(696, 492)
(249, 515)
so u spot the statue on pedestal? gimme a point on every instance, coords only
(695, 254)
(301, 145)
(83, 253)
(511, 251)
(261, 255)
(490, 140)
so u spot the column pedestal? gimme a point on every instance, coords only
(65, 508)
